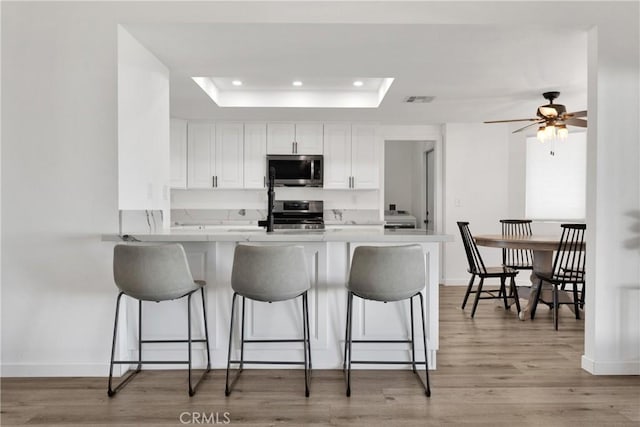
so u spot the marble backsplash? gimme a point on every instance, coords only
(187, 217)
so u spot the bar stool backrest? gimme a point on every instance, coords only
(387, 273)
(269, 273)
(476, 265)
(570, 257)
(516, 258)
(152, 272)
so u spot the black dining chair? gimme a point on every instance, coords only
(568, 270)
(519, 259)
(477, 268)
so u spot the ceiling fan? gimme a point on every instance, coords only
(552, 118)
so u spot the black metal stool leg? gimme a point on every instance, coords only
(308, 332)
(206, 329)
(413, 347)
(242, 335)
(346, 332)
(139, 335)
(349, 339)
(227, 390)
(110, 390)
(427, 389)
(191, 390)
(305, 337)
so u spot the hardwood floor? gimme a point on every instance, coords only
(492, 370)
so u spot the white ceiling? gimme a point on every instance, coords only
(475, 72)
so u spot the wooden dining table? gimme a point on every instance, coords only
(542, 247)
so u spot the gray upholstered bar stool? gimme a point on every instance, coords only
(386, 273)
(269, 274)
(155, 273)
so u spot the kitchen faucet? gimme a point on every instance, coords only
(270, 201)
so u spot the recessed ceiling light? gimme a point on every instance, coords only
(358, 83)
(297, 83)
(236, 83)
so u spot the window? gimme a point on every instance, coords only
(556, 183)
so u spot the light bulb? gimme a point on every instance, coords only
(541, 134)
(236, 83)
(297, 83)
(563, 132)
(550, 132)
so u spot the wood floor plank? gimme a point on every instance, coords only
(493, 370)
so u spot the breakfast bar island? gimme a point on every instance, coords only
(328, 257)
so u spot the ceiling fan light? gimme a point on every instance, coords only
(563, 132)
(541, 133)
(550, 132)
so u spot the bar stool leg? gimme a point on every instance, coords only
(242, 335)
(206, 329)
(427, 389)
(413, 347)
(305, 338)
(227, 390)
(346, 333)
(350, 331)
(139, 335)
(308, 331)
(191, 389)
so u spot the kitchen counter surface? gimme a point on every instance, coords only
(252, 235)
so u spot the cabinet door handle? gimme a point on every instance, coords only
(264, 181)
(213, 181)
(216, 181)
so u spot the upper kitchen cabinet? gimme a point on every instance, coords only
(351, 156)
(294, 138)
(255, 155)
(215, 155)
(178, 150)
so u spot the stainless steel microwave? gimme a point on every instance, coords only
(296, 170)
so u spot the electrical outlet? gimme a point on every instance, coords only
(456, 203)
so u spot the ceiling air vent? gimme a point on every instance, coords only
(418, 99)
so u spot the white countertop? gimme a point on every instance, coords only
(252, 235)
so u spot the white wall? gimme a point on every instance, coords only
(398, 175)
(59, 188)
(612, 328)
(143, 127)
(476, 189)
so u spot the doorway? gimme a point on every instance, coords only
(411, 183)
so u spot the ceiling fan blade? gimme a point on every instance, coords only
(577, 114)
(528, 126)
(514, 120)
(576, 122)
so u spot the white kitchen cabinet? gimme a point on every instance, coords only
(337, 155)
(178, 153)
(215, 155)
(366, 153)
(351, 156)
(255, 155)
(294, 138)
(229, 155)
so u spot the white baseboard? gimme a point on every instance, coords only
(465, 282)
(631, 367)
(8, 370)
